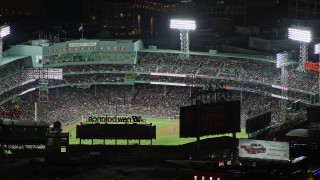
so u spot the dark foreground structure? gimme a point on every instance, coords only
(211, 158)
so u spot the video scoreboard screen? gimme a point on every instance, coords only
(313, 114)
(210, 119)
(258, 122)
(116, 131)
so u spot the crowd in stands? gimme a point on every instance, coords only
(111, 56)
(187, 70)
(148, 58)
(67, 103)
(146, 68)
(98, 67)
(92, 78)
(223, 67)
(71, 103)
(195, 61)
(11, 81)
(245, 74)
(208, 72)
(10, 68)
(6, 96)
(11, 76)
(167, 69)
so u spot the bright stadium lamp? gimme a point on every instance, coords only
(4, 31)
(317, 48)
(303, 36)
(282, 59)
(184, 26)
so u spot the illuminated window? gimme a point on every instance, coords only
(121, 15)
(195, 177)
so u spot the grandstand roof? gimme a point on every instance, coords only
(10, 58)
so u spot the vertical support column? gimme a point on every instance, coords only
(184, 38)
(43, 97)
(284, 93)
(282, 62)
(1, 43)
(303, 56)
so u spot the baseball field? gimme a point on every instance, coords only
(167, 133)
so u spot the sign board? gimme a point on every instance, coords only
(208, 119)
(263, 150)
(82, 44)
(44, 73)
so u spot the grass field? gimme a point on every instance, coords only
(167, 133)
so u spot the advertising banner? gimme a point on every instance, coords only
(264, 150)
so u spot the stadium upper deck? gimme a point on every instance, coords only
(90, 62)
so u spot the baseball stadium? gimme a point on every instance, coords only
(71, 84)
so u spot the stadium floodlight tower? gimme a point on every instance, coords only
(303, 36)
(184, 26)
(282, 62)
(4, 31)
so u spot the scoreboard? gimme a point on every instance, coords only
(116, 131)
(313, 114)
(210, 119)
(256, 123)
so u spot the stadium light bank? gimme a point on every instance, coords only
(184, 25)
(303, 35)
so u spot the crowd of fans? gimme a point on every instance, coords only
(98, 67)
(112, 56)
(237, 73)
(238, 68)
(70, 103)
(92, 78)
(67, 104)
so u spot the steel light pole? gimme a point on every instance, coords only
(184, 26)
(303, 36)
(282, 62)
